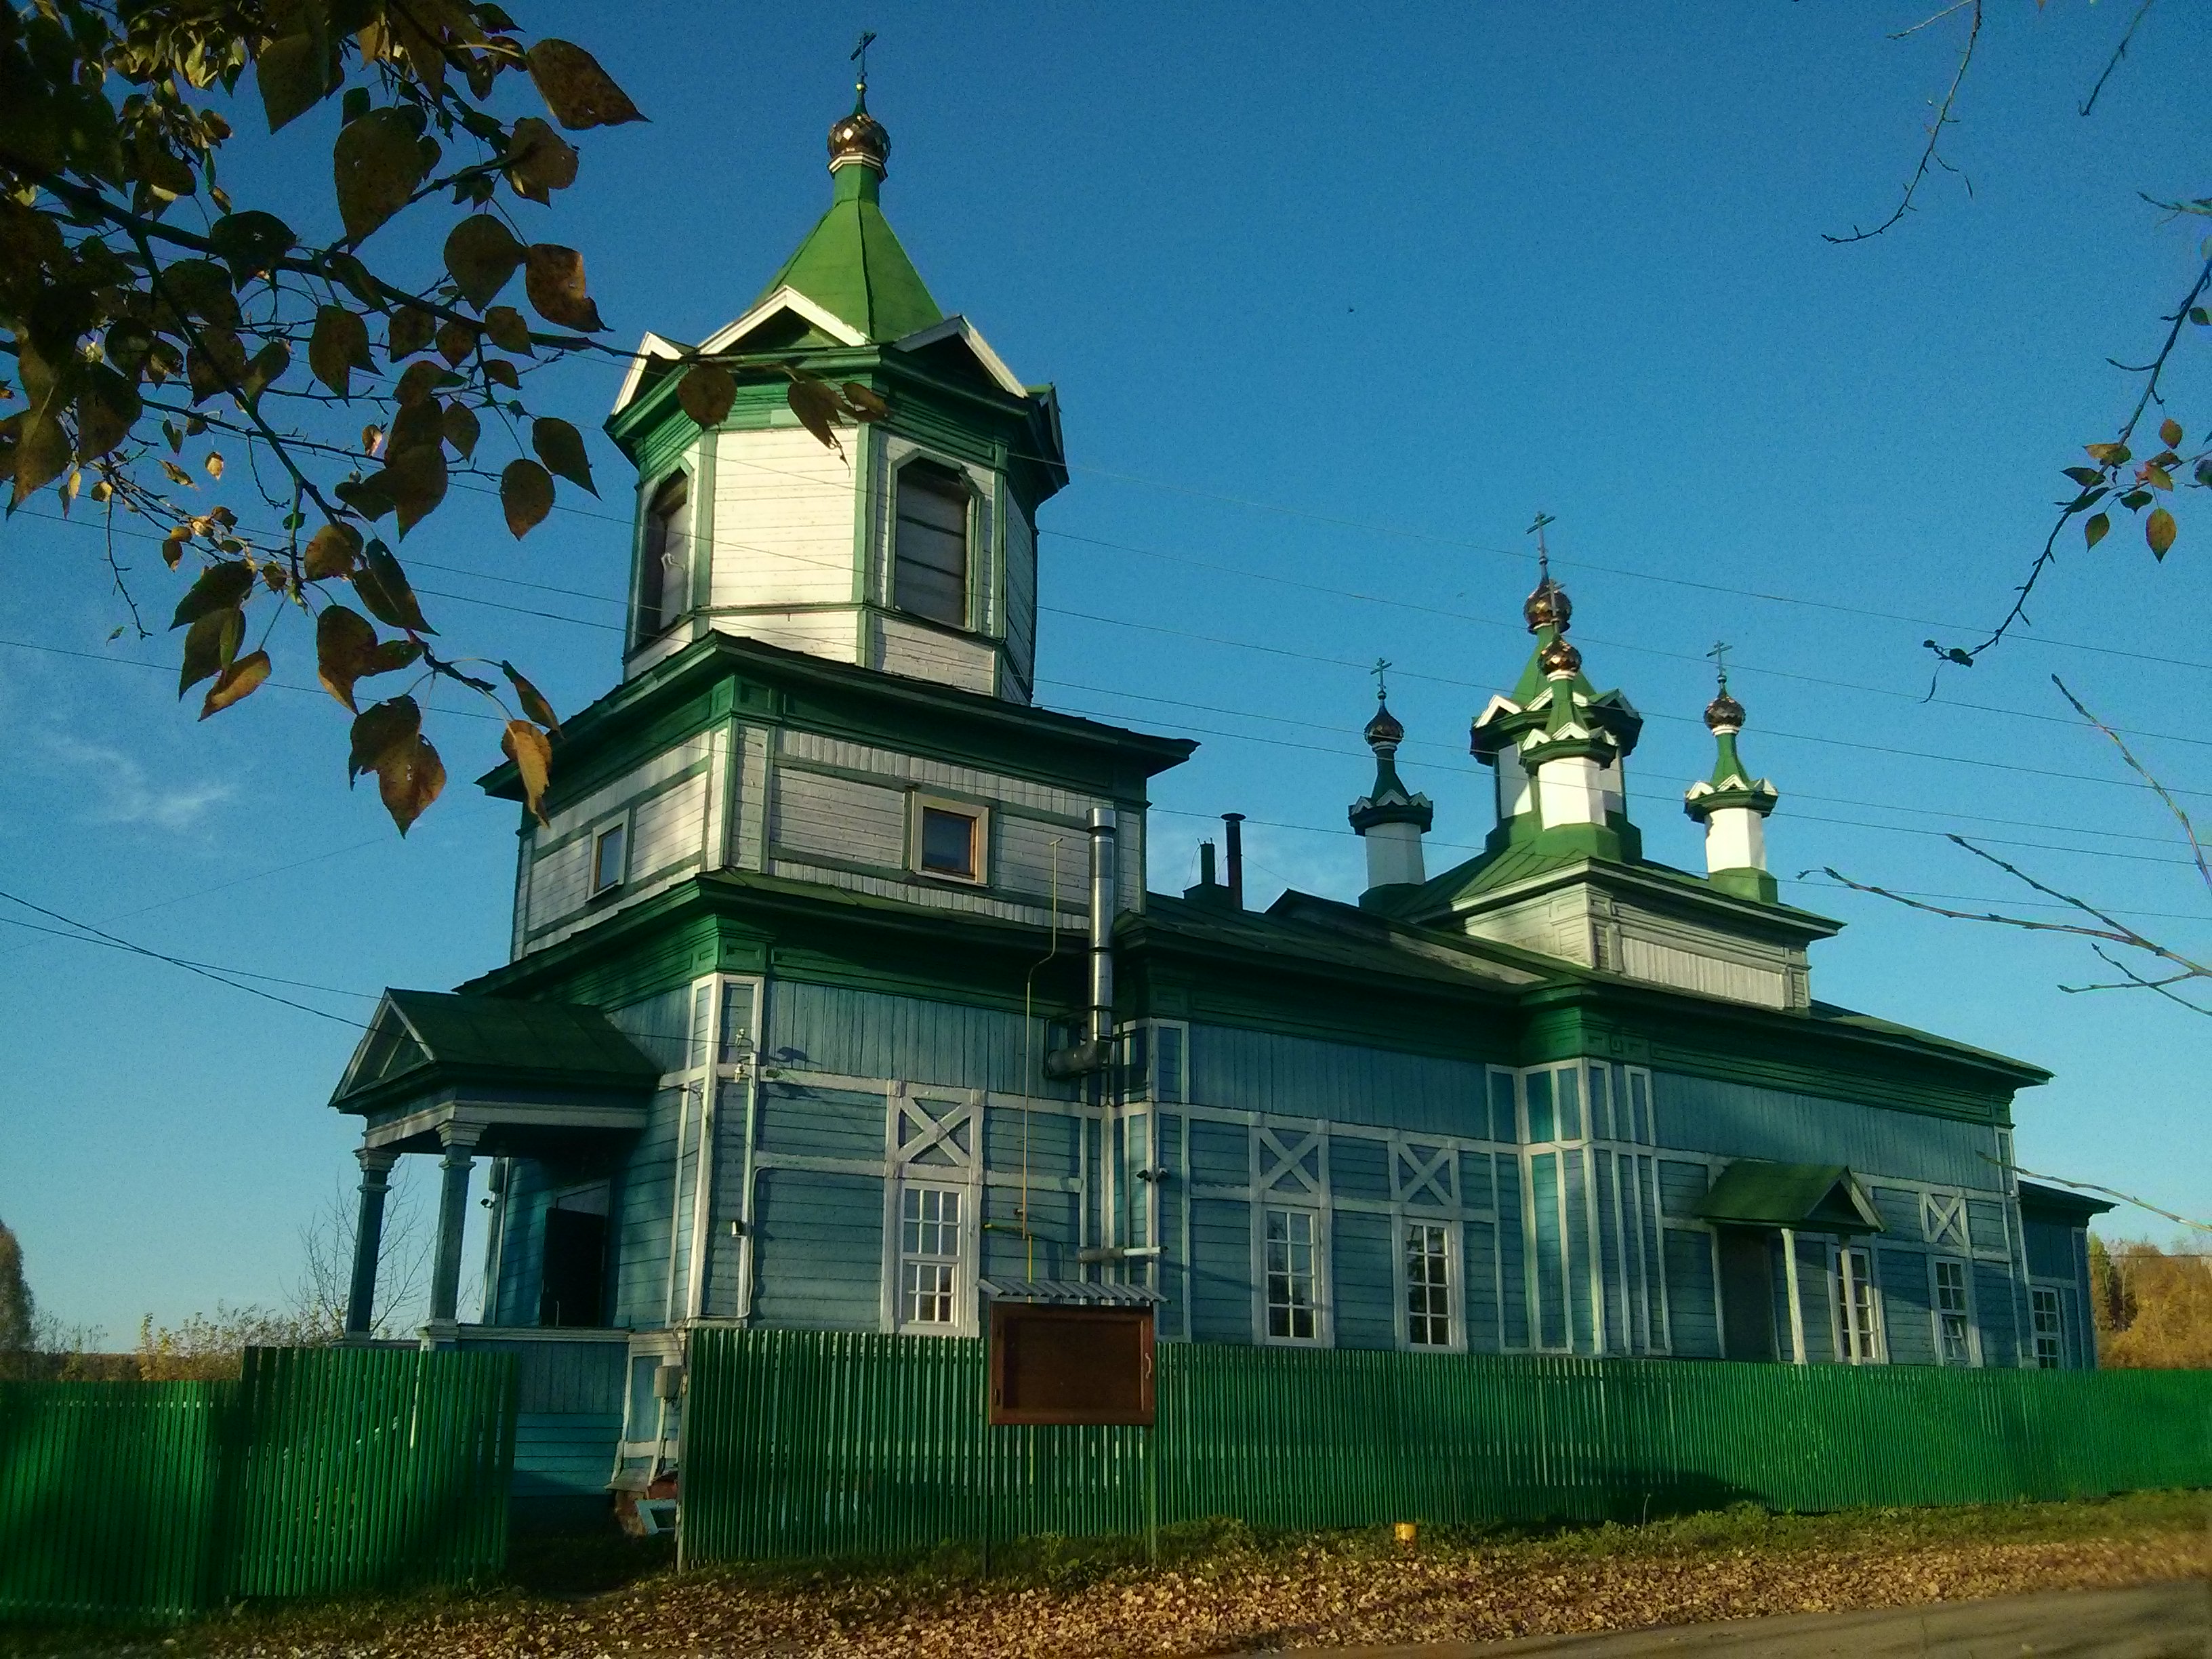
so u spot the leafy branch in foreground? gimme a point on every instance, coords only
(283, 398)
(2102, 929)
(2115, 476)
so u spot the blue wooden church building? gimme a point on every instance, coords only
(836, 997)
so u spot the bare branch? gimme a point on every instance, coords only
(1958, 5)
(1927, 156)
(2131, 981)
(2108, 1192)
(2188, 829)
(2118, 53)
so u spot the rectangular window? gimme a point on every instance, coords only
(1428, 1285)
(2050, 1339)
(929, 1256)
(610, 857)
(1542, 1120)
(663, 577)
(1502, 1126)
(949, 841)
(930, 543)
(1293, 1269)
(1953, 1334)
(1861, 1316)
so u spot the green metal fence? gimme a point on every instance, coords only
(800, 1444)
(321, 1470)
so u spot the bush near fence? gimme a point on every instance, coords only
(814, 1443)
(319, 1471)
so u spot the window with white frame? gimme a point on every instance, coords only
(2050, 1331)
(929, 1266)
(664, 573)
(950, 840)
(610, 858)
(1428, 1285)
(1858, 1311)
(1954, 1328)
(1293, 1275)
(930, 543)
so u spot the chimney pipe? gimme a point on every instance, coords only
(1236, 823)
(1103, 844)
(1207, 876)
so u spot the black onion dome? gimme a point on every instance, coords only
(1385, 729)
(860, 138)
(1724, 712)
(1549, 604)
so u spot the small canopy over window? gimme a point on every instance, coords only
(1813, 1197)
(663, 577)
(930, 574)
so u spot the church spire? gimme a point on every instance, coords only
(1731, 804)
(1390, 818)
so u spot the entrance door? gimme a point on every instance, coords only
(572, 1286)
(1747, 1294)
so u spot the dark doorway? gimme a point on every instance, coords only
(572, 1285)
(1747, 1294)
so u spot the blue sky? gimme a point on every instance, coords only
(1335, 302)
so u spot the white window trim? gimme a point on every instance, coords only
(1839, 1307)
(1324, 1324)
(619, 824)
(2057, 1294)
(1455, 1281)
(938, 1114)
(689, 467)
(1935, 1310)
(982, 594)
(975, 811)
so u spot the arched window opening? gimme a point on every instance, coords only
(930, 550)
(664, 584)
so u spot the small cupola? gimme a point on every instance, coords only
(1732, 806)
(1389, 818)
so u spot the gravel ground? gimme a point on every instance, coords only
(1233, 1594)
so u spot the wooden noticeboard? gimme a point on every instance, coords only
(1052, 1363)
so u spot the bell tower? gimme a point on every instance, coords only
(870, 492)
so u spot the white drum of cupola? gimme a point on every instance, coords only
(930, 543)
(664, 574)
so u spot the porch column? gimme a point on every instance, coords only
(369, 1238)
(460, 1143)
(1796, 1307)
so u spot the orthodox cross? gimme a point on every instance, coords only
(1543, 553)
(1382, 667)
(1719, 654)
(861, 57)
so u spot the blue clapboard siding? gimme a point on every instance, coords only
(1994, 1311)
(1986, 1225)
(1694, 1318)
(1364, 1306)
(2050, 1249)
(819, 1243)
(660, 1025)
(874, 1034)
(1582, 1312)
(1475, 1191)
(1046, 1250)
(1551, 1272)
(1305, 1077)
(568, 1413)
(1172, 1275)
(1046, 1141)
(1736, 1120)
(1220, 1154)
(796, 1120)
(1615, 1279)
(1480, 1249)
(1512, 1253)
(1358, 1167)
(1680, 1188)
(1220, 1268)
(522, 1244)
(639, 1227)
(1899, 1210)
(1907, 1320)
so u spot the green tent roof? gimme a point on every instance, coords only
(852, 265)
(1821, 1198)
(420, 1040)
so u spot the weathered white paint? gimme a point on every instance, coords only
(782, 521)
(811, 812)
(1736, 839)
(922, 652)
(1393, 855)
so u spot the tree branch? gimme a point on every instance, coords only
(1927, 156)
(2118, 53)
(2135, 981)
(2188, 829)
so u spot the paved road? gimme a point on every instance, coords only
(2156, 1621)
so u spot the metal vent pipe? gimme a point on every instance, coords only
(1103, 841)
(1236, 823)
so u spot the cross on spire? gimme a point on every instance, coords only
(1543, 553)
(1719, 654)
(1382, 667)
(860, 55)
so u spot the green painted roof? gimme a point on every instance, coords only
(2041, 1203)
(851, 264)
(421, 1039)
(1818, 1197)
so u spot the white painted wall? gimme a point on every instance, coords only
(783, 511)
(1736, 839)
(1570, 790)
(1393, 855)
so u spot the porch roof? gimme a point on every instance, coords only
(1821, 1198)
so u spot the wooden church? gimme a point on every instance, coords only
(836, 997)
